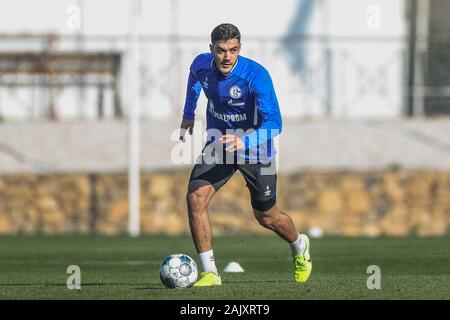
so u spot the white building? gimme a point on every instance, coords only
(337, 58)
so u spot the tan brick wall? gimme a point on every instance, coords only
(341, 203)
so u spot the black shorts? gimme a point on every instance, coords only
(261, 178)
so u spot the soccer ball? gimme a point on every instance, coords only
(178, 271)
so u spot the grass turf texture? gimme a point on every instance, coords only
(128, 268)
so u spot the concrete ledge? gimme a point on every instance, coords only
(322, 144)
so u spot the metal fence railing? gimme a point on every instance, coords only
(313, 76)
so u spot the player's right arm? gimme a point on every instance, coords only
(192, 94)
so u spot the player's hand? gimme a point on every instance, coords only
(185, 125)
(236, 142)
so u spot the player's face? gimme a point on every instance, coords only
(225, 54)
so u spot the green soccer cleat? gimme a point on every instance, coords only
(303, 263)
(208, 279)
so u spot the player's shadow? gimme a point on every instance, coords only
(255, 281)
(224, 282)
(151, 288)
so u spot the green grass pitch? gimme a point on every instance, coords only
(128, 268)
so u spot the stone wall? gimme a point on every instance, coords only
(319, 144)
(341, 203)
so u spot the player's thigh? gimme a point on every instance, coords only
(205, 175)
(261, 182)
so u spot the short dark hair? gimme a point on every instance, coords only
(225, 31)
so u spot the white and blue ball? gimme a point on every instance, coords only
(178, 271)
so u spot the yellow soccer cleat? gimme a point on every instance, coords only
(303, 263)
(208, 279)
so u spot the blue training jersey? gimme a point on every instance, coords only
(243, 100)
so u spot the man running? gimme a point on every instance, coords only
(243, 117)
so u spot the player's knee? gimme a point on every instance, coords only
(265, 221)
(197, 200)
(266, 218)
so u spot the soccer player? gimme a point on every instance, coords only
(243, 117)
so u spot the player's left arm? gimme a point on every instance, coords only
(267, 108)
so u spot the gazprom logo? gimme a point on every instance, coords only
(226, 117)
(235, 92)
